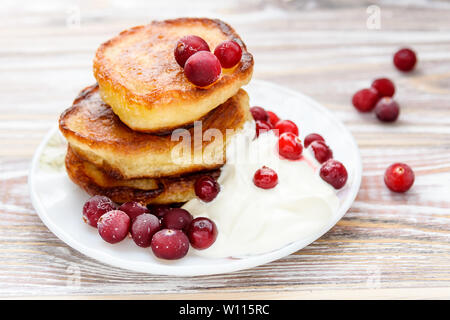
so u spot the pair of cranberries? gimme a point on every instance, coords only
(168, 234)
(201, 67)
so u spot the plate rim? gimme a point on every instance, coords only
(183, 271)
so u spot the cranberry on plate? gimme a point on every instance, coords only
(262, 126)
(95, 207)
(310, 138)
(114, 226)
(290, 146)
(187, 46)
(202, 233)
(384, 86)
(286, 126)
(170, 244)
(133, 209)
(334, 173)
(399, 177)
(159, 210)
(177, 218)
(365, 100)
(202, 69)
(273, 118)
(265, 178)
(259, 113)
(387, 110)
(405, 59)
(143, 228)
(229, 53)
(322, 151)
(206, 188)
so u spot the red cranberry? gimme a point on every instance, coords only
(202, 233)
(405, 59)
(384, 86)
(290, 146)
(273, 118)
(286, 126)
(364, 100)
(265, 178)
(399, 177)
(387, 110)
(143, 229)
(177, 218)
(202, 68)
(95, 207)
(206, 188)
(114, 226)
(310, 138)
(334, 173)
(262, 126)
(159, 210)
(322, 152)
(133, 209)
(229, 53)
(170, 244)
(259, 113)
(187, 46)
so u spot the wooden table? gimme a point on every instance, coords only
(387, 246)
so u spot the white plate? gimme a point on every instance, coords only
(59, 202)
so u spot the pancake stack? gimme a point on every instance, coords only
(120, 131)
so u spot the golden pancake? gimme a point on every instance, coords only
(97, 135)
(149, 191)
(141, 81)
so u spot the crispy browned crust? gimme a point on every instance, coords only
(163, 84)
(169, 190)
(91, 123)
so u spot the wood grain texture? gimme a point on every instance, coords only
(387, 245)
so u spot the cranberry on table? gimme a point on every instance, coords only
(159, 210)
(365, 100)
(290, 146)
(399, 177)
(133, 209)
(387, 110)
(286, 126)
(259, 113)
(334, 173)
(176, 218)
(170, 244)
(322, 151)
(261, 127)
(310, 138)
(202, 233)
(114, 226)
(229, 53)
(187, 46)
(384, 86)
(265, 178)
(405, 59)
(95, 207)
(273, 118)
(202, 68)
(207, 188)
(143, 228)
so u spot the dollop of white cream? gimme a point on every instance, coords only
(251, 220)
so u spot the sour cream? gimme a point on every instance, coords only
(251, 220)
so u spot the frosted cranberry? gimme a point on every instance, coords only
(143, 228)
(273, 118)
(176, 218)
(310, 138)
(405, 59)
(207, 188)
(334, 173)
(202, 233)
(265, 178)
(202, 68)
(159, 210)
(187, 46)
(286, 126)
(114, 226)
(387, 110)
(384, 86)
(133, 209)
(95, 207)
(170, 244)
(365, 100)
(229, 53)
(261, 127)
(399, 177)
(322, 152)
(290, 146)
(259, 113)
